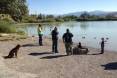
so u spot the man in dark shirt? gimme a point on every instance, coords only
(54, 34)
(67, 39)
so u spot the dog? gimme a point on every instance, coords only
(13, 52)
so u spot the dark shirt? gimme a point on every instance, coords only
(79, 46)
(54, 35)
(67, 37)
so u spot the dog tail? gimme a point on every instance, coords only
(6, 57)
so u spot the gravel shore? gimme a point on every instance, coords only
(39, 62)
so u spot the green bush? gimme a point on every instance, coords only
(6, 18)
(49, 20)
(6, 27)
(29, 19)
(59, 20)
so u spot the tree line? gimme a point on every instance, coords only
(18, 11)
(15, 8)
(83, 17)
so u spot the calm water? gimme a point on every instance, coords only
(92, 31)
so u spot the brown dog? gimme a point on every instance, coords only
(13, 52)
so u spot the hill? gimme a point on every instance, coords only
(97, 13)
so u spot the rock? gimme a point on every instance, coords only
(4, 35)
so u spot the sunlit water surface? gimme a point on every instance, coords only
(88, 33)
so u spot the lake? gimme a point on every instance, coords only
(88, 33)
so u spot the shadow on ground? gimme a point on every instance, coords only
(29, 45)
(53, 56)
(37, 54)
(6, 57)
(94, 54)
(110, 66)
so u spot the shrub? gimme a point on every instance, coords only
(6, 18)
(6, 27)
(49, 20)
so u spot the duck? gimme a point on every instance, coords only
(83, 37)
(107, 38)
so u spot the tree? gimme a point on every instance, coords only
(16, 8)
(50, 17)
(85, 15)
(40, 17)
(70, 18)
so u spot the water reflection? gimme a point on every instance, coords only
(84, 25)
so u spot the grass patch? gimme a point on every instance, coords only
(6, 27)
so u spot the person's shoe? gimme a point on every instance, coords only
(41, 44)
(101, 53)
(56, 52)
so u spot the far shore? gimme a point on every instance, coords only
(61, 22)
(46, 23)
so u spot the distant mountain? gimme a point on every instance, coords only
(97, 13)
(75, 13)
(113, 13)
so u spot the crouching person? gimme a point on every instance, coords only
(67, 39)
(80, 49)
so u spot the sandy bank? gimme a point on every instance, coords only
(40, 61)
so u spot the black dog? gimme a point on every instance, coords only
(13, 52)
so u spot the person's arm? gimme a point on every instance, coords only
(57, 33)
(51, 32)
(105, 42)
(72, 35)
(63, 38)
(38, 31)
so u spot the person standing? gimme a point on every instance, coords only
(54, 34)
(67, 39)
(102, 45)
(40, 34)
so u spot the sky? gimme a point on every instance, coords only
(69, 6)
